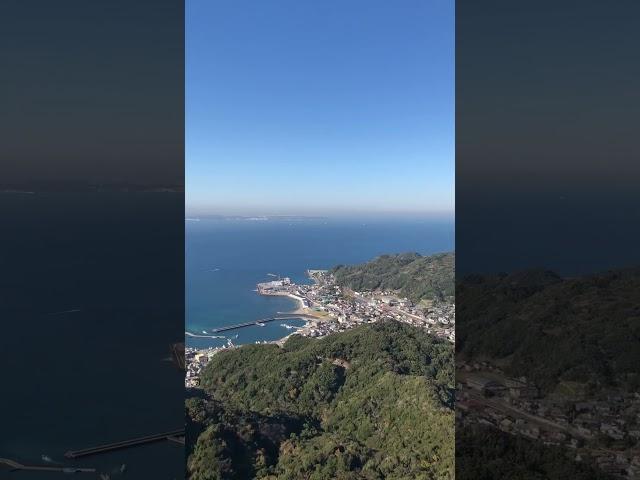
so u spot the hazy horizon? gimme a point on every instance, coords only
(204, 211)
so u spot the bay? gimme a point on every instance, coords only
(226, 258)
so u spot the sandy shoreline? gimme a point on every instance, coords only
(301, 310)
(307, 314)
(297, 299)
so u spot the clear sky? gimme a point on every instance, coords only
(317, 107)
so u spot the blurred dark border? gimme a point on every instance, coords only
(547, 228)
(92, 243)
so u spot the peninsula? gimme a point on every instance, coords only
(364, 390)
(329, 305)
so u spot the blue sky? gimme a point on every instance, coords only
(319, 107)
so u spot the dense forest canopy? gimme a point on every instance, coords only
(484, 453)
(374, 403)
(412, 275)
(553, 330)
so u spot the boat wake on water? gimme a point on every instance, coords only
(48, 459)
(289, 327)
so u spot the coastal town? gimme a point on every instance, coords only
(604, 431)
(329, 308)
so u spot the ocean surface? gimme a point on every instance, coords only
(92, 293)
(225, 259)
(91, 296)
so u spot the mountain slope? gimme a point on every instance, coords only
(552, 330)
(375, 402)
(414, 276)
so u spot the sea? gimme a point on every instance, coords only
(92, 294)
(226, 258)
(91, 297)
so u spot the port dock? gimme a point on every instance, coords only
(237, 326)
(241, 325)
(282, 316)
(125, 444)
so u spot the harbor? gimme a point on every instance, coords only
(172, 435)
(259, 323)
(326, 308)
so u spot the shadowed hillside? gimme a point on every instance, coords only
(551, 329)
(487, 454)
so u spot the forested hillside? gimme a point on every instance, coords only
(374, 403)
(412, 275)
(484, 453)
(550, 329)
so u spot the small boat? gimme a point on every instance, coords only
(47, 459)
(204, 331)
(260, 324)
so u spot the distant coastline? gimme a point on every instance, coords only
(254, 218)
(33, 187)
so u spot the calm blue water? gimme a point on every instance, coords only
(100, 374)
(226, 258)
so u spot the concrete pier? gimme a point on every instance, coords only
(124, 444)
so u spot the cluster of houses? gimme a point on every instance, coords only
(330, 310)
(196, 360)
(347, 311)
(605, 431)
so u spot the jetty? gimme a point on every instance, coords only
(172, 435)
(179, 440)
(177, 354)
(12, 464)
(241, 325)
(237, 326)
(281, 316)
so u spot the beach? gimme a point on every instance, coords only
(225, 259)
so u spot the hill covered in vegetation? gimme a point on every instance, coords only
(553, 330)
(483, 453)
(374, 403)
(412, 275)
